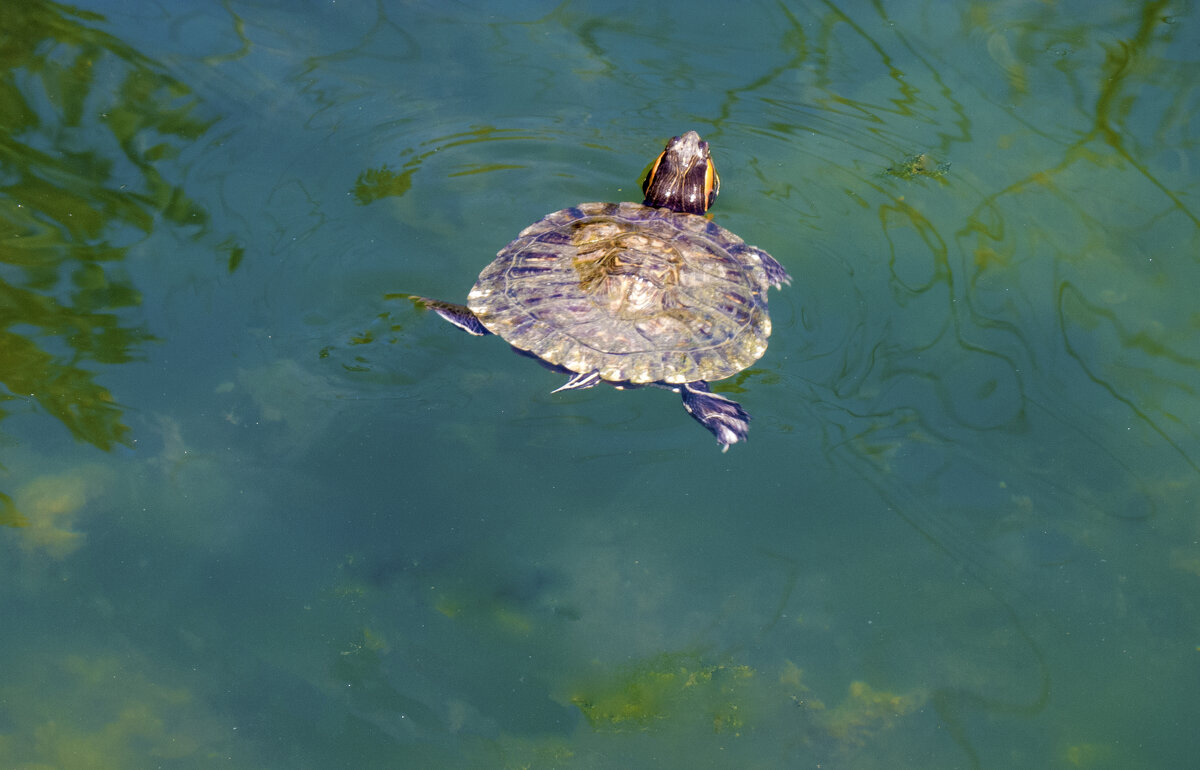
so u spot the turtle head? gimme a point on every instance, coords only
(683, 178)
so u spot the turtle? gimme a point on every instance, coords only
(635, 295)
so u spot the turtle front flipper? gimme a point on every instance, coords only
(777, 275)
(725, 417)
(459, 315)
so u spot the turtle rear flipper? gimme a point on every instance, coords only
(459, 315)
(580, 381)
(725, 417)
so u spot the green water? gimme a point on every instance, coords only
(259, 511)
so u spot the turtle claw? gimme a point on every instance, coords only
(725, 417)
(459, 315)
(580, 381)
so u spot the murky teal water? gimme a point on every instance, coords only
(262, 512)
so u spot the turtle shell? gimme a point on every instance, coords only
(637, 294)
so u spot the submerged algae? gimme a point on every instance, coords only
(50, 505)
(669, 686)
(681, 687)
(917, 165)
(866, 710)
(103, 711)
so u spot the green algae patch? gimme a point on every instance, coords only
(866, 711)
(919, 165)
(671, 686)
(108, 710)
(47, 509)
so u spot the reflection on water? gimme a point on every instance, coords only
(374, 184)
(85, 124)
(297, 523)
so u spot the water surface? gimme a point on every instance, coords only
(260, 511)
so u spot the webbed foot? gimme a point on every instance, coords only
(777, 275)
(725, 417)
(459, 315)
